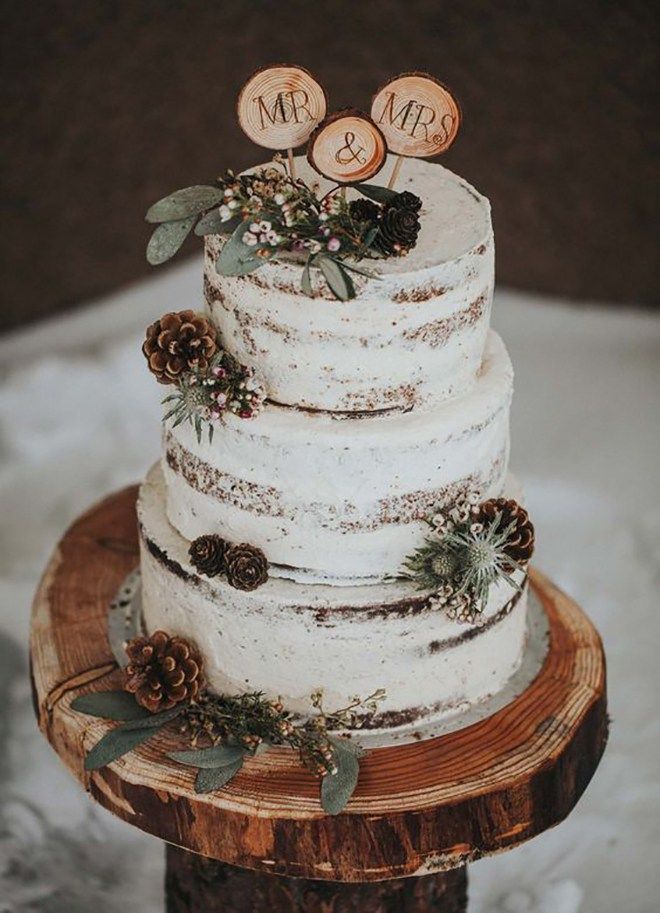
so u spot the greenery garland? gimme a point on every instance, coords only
(268, 213)
(221, 730)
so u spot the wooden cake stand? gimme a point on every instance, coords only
(423, 809)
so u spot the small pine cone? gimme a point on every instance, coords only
(246, 567)
(463, 609)
(162, 671)
(207, 554)
(407, 200)
(363, 210)
(397, 232)
(178, 343)
(520, 544)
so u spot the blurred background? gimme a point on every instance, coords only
(108, 106)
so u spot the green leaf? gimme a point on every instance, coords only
(376, 193)
(155, 720)
(339, 281)
(210, 779)
(110, 705)
(361, 272)
(167, 239)
(183, 203)
(337, 788)
(210, 758)
(212, 224)
(236, 258)
(114, 744)
(306, 279)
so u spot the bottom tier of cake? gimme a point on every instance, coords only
(289, 639)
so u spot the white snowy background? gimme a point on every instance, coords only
(79, 417)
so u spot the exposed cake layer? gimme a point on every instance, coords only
(289, 639)
(334, 498)
(414, 336)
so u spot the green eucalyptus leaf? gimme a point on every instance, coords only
(337, 788)
(208, 758)
(183, 203)
(212, 224)
(114, 744)
(154, 720)
(110, 705)
(376, 193)
(210, 779)
(339, 281)
(167, 239)
(236, 258)
(360, 271)
(306, 279)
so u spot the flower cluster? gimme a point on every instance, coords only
(202, 396)
(279, 214)
(472, 545)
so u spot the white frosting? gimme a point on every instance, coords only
(289, 639)
(340, 499)
(414, 336)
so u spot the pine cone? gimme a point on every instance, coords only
(162, 671)
(363, 210)
(407, 200)
(398, 230)
(246, 567)
(520, 544)
(178, 343)
(207, 554)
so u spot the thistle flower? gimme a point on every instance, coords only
(483, 558)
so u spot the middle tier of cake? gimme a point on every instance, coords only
(337, 499)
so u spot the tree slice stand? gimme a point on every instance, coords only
(424, 809)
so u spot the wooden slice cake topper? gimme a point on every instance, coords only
(347, 147)
(280, 106)
(418, 115)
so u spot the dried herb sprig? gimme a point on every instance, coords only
(251, 720)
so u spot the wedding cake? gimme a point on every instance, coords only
(332, 512)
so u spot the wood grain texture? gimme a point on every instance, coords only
(418, 808)
(347, 147)
(280, 106)
(419, 116)
(194, 883)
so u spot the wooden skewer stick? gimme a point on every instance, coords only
(292, 164)
(395, 172)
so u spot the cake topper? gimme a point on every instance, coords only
(347, 147)
(418, 116)
(280, 106)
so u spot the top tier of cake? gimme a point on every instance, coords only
(414, 336)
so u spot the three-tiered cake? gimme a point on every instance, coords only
(382, 411)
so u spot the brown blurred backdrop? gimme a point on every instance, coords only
(110, 105)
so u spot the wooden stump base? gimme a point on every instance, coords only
(196, 883)
(423, 809)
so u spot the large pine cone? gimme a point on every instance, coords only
(246, 566)
(178, 343)
(162, 671)
(207, 554)
(520, 544)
